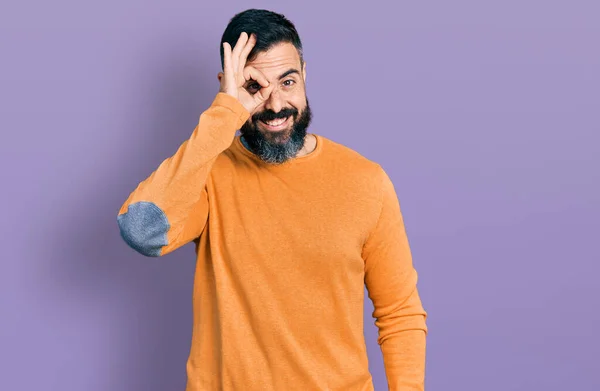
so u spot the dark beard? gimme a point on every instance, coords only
(274, 149)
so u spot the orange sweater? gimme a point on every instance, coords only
(283, 256)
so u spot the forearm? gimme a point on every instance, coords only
(170, 205)
(402, 334)
(404, 360)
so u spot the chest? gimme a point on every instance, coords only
(315, 221)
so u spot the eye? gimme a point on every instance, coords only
(254, 87)
(290, 81)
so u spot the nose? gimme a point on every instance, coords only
(274, 102)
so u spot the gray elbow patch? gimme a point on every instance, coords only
(144, 228)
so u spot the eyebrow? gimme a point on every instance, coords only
(288, 72)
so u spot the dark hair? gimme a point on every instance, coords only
(270, 28)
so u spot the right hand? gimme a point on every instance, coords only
(236, 75)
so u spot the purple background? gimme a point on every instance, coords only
(485, 116)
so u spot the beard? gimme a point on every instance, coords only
(277, 147)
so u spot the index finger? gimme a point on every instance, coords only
(252, 73)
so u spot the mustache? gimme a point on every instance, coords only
(269, 115)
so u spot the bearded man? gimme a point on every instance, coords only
(289, 226)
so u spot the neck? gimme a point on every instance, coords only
(309, 145)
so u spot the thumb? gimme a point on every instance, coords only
(264, 93)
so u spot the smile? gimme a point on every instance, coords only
(276, 124)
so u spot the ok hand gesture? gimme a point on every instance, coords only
(236, 74)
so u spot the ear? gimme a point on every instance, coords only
(304, 71)
(220, 76)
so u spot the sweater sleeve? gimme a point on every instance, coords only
(170, 207)
(391, 282)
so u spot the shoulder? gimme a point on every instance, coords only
(352, 162)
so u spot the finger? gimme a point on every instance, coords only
(227, 65)
(235, 55)
(251, 73)
(244, 55)
(264, 93)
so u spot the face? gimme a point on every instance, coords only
(276, 129)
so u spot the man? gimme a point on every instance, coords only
(289, 226)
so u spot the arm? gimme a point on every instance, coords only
(391, 282)
(170, 207)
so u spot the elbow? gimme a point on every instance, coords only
(401, 316)
(392, 327)
(144, 228)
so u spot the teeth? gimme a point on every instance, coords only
(276, 122)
